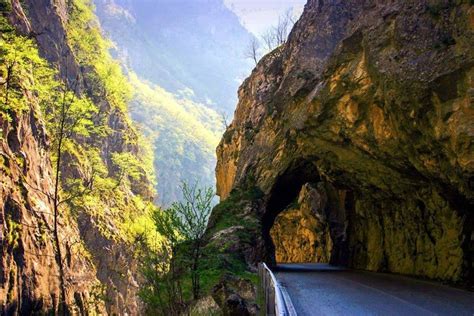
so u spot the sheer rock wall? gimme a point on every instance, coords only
(375, 99)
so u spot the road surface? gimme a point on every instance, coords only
(320, 289)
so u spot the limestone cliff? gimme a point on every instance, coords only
(100, 264)
(28, 270)
(372, 101)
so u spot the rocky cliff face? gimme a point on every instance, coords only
(100, 268)
(28, 271)
(371, 100)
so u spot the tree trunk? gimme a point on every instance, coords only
(7, 84)
(62, 302)
(195, 267)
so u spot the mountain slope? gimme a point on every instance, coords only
(184, 135)
(180, 45)
(185, 59)
(53, 57)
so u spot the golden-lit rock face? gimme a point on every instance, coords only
(301, 232)
(375, 100)
(101, 270)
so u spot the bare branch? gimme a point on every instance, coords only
(278, 34)
(252, 49)
(269, 38)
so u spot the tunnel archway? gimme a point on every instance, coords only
(422, 232)
(284, 192)
(319, 209)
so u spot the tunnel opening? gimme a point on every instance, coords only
(426, 232)
(283, 194)
(301, 232)
(306, 218)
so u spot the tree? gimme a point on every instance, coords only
(269, 39)
(70, 116)
(284, 26)
(66, 114)
(278, 34)
(19, 62)
(162, 269)
(185, 223)
(252, 50)
(281, 29)
(224, 120)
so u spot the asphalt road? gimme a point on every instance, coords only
(319, 289)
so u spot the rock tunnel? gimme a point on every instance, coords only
(308, 219)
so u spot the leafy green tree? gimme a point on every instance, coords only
(178, 258)
(163, 271)
(26, 78)
(188, 220)
(22, 69)
(129, 166)
(68, 116)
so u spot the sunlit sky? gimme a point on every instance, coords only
(258, 15)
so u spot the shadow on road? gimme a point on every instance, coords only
(307, 267)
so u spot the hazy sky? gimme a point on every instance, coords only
(258, 15)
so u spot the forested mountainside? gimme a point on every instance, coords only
(181, 46)
(185, 60)
(76, 183)
(364, 116)
(183, 135)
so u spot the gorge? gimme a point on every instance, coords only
(351, 144)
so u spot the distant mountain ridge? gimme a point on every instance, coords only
(185, 61)
(181, 46)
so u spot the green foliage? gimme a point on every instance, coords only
(92, 49)
(226, 213)
(97, 294)
(184, 225)
(5, 6)
(101, 189)
(184, 135)
(128, 164)
(218, 259)
(122, 216)
(162, 290)
(68, 117)
(186, 220)
(13, 232)
(174, 275)
(146, 156)
(119, 215)
(174, 278)
(22, 69)
(216, 264)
